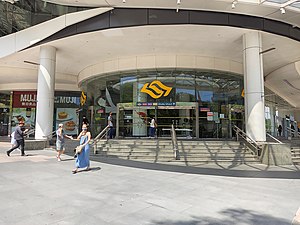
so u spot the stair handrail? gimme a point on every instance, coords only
(253, 145)
(275, 139)
(292, 131)
(29, 132)
(175, 143)
(50, 136)
(102, 134)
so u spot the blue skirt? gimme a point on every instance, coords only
(83, 159)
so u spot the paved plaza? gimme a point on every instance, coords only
(38, 190)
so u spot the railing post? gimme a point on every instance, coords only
(95, 147)
(237, 135)
(175, 144)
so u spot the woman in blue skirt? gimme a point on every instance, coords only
(83, 158)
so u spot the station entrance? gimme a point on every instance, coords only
(189, 120)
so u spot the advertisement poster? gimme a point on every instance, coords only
(69, 118)
(210, 116)
(25, 114)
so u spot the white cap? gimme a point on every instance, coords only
(61, 124)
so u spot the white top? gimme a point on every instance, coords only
(152, 123)
(110, 121)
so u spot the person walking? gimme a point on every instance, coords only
(152, 127)
(111, 126)
(279, 130)
(60, 140)
(19, 137)
(292, 130)
(83, 158)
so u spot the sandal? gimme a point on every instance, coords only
(74, 171)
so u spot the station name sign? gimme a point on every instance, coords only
(156, 104)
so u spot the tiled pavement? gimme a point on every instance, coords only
(37, 190)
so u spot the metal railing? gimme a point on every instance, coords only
(175, 143)
(275, 139)
(292, 132)
(30, 132)
(249, 142)
(102, 134)
(51, 135)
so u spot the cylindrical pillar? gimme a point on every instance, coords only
(254, 87)
(138, 115)
(45, 92)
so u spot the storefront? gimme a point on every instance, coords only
(200, 104)
(65, 110)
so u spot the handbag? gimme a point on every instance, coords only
(79, 149)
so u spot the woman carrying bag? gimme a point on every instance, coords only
(83, 150)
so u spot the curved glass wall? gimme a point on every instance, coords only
(26, 13)
(200, 104)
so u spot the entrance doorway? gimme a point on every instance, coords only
(134, 121)
(189, 120)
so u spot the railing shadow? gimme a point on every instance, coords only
(294, 174)
(229, 217)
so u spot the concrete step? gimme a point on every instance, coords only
(190, 162)
(171, 154)
(168, 148)
(162, 151)
(169, 142)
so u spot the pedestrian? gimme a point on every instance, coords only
(60, 141)
(83, 158)
(111, 126)
(19, 137)
(152, 127)
(279, 130)
(293, 130)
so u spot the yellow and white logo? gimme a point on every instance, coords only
(82, 98)
(156, 89)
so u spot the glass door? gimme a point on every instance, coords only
(134, 121)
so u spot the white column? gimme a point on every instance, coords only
(45, 92)
(254, 87)
(139, 125)
(273, 123)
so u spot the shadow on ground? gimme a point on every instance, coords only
(286, 174)
(230, 217)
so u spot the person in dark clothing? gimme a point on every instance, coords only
(19, 137)
(279, 130)
(293, 130)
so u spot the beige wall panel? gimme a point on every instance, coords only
(204, 62)
(127, 63)
(145, 62)
(186, 61)
(110, 66)
(165, 61)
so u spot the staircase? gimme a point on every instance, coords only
(192, 152)
(295, 148)
(296, 155)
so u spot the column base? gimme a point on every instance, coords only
(36, 144)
